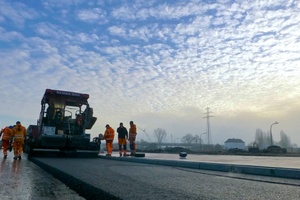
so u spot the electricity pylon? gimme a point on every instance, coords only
(208, 132)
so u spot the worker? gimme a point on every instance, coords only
(109, 136)
(122, 137)
(132, 137)
(6, 139)
(19, 134)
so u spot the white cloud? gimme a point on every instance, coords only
(16, 12)
(9, 36)
(120, 31)
(62, 4)
(158, 64)
(92, 15)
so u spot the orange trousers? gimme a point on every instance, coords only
(109, 146)
(18, 148)
(5, 144)
(122, 145)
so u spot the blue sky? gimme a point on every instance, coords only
(158, 63)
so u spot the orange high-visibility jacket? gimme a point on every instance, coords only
(19, 133)
(109, 134)
(132, 131)
(7, 133)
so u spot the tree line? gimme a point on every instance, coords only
(261, 139)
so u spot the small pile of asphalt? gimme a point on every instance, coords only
(169, 150)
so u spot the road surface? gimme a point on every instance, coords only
(131, 180)
(95, 178)
(22, 179)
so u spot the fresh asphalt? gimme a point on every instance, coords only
(167, 176)
(30, 182)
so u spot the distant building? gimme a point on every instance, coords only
(234, 144)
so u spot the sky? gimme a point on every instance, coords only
(159, 63)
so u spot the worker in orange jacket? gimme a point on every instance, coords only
(19, 134)
(132, 137)
(109, 136)
(6, 138)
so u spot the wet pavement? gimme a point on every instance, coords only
(22, 179)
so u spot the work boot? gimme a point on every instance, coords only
(19, 157)
(5, 156)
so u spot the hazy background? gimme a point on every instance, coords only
(158, 63)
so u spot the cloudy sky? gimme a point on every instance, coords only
(160, 63)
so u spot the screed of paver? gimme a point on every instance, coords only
(22, 179)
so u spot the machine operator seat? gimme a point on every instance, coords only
(58, 117)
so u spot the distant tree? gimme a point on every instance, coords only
(187, 139)
(285, 141)
(259, 137)
(160, 134)
(262, 139)
(196, 139)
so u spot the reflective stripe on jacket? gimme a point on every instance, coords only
(7, 133)
(19, 133)
(109, 134)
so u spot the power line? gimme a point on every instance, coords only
(144, 130)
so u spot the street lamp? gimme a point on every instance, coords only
(271, 132)
(201, 140)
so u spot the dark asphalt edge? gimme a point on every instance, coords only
(84, 189)
(222, 167)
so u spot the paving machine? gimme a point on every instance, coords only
(63, 120)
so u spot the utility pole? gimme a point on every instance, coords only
(208, 133)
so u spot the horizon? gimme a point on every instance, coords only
(157, 63)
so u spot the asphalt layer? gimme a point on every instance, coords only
(136, 180)
(20, 179)
(84, 189)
